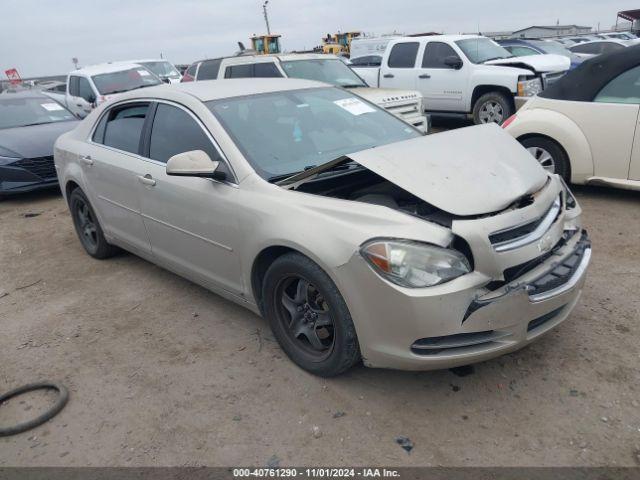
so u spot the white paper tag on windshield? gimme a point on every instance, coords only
(354, 106)
(52, 107)
(143, 73)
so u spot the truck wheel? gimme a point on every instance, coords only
(492, 107)
(549, 155)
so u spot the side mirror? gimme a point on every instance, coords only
(195, 163)
(453, 61)
(165, 80)
(91, 99)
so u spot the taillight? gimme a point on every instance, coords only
(509, 121)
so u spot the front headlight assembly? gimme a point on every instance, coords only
(529, 88)
(414, 264)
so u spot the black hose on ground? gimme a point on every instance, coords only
(61, 401)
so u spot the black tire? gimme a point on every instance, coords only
(321, 314)
(88, 227)
(500, 107)
(539, 145)
(61, 401)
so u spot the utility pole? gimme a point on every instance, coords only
(266, 16)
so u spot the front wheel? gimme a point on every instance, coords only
(309, 317)
(549, 155)
(492, 107)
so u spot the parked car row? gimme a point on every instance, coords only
(317, 206)
(405, 103)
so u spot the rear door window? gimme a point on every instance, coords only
(209, 69)
(403, 55)
(123, 127)
(239, 71)
(266, 70)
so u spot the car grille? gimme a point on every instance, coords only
(521, 235)
(41, 166)
(562, 272)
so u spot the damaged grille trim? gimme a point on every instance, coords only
(542, 225)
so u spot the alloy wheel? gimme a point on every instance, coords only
(86, 224)
(544, 158)
(491, 112)
(305, 316)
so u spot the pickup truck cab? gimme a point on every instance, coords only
(91, 86)
(467, 74)
(405, 104)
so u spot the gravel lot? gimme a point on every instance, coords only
(162, 372)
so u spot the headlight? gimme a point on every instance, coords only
(414, 264)
(7, 160)
(529, 88)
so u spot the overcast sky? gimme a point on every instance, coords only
(41, 37)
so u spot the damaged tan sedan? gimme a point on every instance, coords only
(353, 234)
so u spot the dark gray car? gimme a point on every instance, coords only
(30, 123)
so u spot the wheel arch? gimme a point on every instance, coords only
(481, 90)
(563, 131)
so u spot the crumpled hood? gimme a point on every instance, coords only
(468, 171)
(34, 141)
(540, 63)
(380, 96)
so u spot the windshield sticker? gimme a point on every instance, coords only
(354, 106)
(51, 107)
(143, 73)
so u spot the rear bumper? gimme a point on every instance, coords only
(461, 322)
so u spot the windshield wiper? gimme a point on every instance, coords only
(36, 123)
(353, 85)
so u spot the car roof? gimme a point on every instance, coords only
(583, 83)
(607, 40)
(445, 38)
(207, 90)
(105, 68)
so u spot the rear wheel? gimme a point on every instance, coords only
(492, 107)
(88, 228)
(309, 317)
(549, 155)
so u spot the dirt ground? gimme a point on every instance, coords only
(162, 372)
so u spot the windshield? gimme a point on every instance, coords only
(282, 133)
(20, 112)
(124, 80)
(480, 50)
(555, 48)
(332, 71)
(162, 69)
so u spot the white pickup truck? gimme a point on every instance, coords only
(90, 86)
(406, 104)
(467, 74)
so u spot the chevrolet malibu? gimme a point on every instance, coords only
(357, 237)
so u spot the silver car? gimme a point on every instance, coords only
(356, 236)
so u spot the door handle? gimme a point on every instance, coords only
(146, 180)
(86, 159)
(388, 75)
(424, 75)
(78, 104)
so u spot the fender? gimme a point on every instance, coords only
(558, 127)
